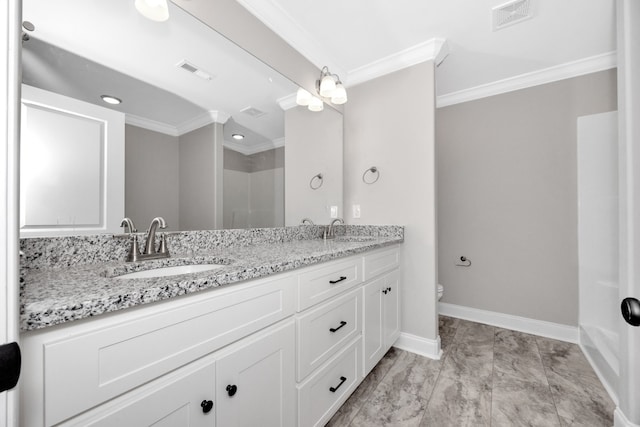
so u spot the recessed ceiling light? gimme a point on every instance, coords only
(111, 99)
(237, 136)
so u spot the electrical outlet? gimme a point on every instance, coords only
(356, 211)
(334, 212)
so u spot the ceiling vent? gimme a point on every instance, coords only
(253, 112)
(187, 66)
(511, 13)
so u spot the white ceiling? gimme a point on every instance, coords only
(351, 35)
(85, 48)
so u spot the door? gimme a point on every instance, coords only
(391, 306)
(373, 327)
(628, 11)
(10, 12)
(255, 380)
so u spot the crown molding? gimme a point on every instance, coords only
(577, 68)
(142, 122)
(204, 119)
(271, 14)
(287, 102)
(253, 149)
(435, 49)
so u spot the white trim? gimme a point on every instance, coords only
(516, 323)
(620, 420)
(577, 68)
(435, 49)
(143, 122)
(419, 345)
(288, 102)
(187, 126)
(603, 378)
(253, 149)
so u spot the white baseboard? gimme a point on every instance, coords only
(620, 420)
(516, 323)
(419, 345)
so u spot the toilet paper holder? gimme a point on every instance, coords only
(463, 261)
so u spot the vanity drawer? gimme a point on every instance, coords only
(378, 262)
(323, 282)
(89, 368)
(323, 330)
(324, 392)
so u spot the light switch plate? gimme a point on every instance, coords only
(356, 211)
(334, 212)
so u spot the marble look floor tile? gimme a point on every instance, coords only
(474, 334)
(517, 402)
(352, 406)
(401, 397)
(516, 356)
(458, 402)
(448, 327)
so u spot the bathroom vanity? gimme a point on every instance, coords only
(280, 335)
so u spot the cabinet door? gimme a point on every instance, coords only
(372, 328)
(255, 380)
(391, 314)
(179, 399)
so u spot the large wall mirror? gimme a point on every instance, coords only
(200, 129)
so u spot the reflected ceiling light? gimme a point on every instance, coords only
(111, 99)
(303, 97)
(316, 104)
(156, 10)
(330, 86)
(237, 136)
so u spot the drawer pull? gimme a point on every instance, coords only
(333, 282)
(232, 389)
(207, 405)
(334, 389)
(342, 323)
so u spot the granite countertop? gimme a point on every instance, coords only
(52, 296)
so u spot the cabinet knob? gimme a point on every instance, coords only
(207, 405)
(384, 291)
(232, 389)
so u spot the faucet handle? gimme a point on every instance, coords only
(127, 223)
(163, 249)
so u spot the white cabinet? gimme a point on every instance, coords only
(184, 398)
(255, 381)
(381, 326)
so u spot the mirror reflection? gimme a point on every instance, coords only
(202, 124)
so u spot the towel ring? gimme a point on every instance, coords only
(373, 170)
(316, 181)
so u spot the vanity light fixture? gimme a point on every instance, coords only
(303, 97)
(316, 104)
(330, 86)
(237, 136)
(111, 99)
(155, 10)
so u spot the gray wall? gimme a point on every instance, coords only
(389, 123)
(151, 177)
(507, 197)
(313, 144)
(201, 176)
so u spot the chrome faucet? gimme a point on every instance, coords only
(331, 232)
(150, 251)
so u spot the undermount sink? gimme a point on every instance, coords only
(170, 271)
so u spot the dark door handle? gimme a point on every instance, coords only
(232, 389)
(10, 362)
(333, 282)
(630, 308)
(342, 323)
(334, 389)
(207, 405)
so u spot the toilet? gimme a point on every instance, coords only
(440, 291)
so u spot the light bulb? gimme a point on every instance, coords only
(156, 10)
(327, 86)
(316, 104)
(303, 97)
(339, 95)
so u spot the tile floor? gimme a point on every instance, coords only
(488, 376)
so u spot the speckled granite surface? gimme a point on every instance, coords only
(70, 278)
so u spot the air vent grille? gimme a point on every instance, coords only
(187, 66)
(253, 112)
(511, 13)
